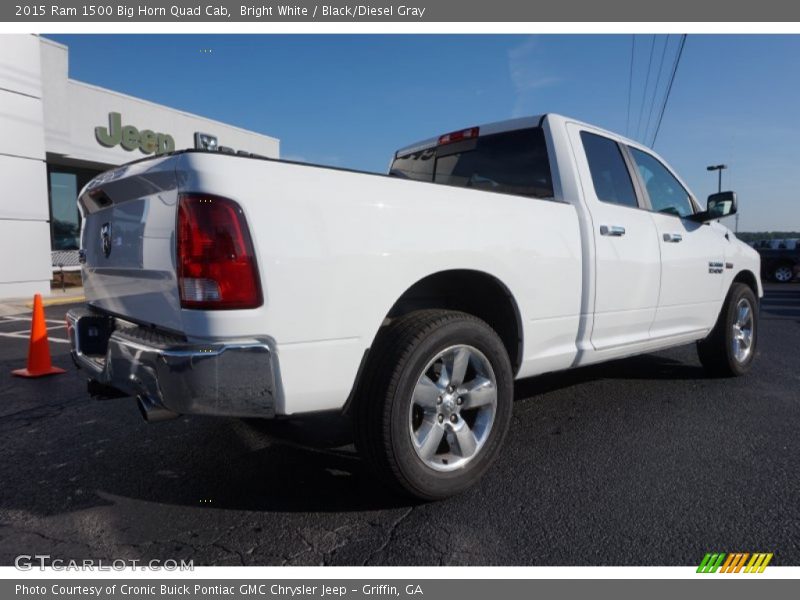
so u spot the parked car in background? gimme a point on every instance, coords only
(780, 259)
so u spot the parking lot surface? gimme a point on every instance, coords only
(642, 461)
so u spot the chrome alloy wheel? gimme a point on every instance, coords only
(742, 338)
(453, 408)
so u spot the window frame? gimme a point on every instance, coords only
(642, 200)
(628, 148)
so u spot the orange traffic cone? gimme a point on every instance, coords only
(39, 363)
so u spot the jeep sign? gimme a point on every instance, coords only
(131, 138)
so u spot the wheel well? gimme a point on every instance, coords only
(747, 278)
(473, 292)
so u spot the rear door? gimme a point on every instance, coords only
(627, 261)
(692, 254)
(128, 242)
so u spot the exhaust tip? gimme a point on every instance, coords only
(153, 412)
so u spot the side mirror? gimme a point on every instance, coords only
(721, 204)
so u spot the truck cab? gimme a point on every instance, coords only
(654, 269)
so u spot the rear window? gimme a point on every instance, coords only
(417, 165)
(513, 162)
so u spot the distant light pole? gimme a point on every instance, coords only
(719, 169)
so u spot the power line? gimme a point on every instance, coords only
(669, 89)
(646, 85)
(655, 86)
(630, 86)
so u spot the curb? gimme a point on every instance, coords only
(58, 301)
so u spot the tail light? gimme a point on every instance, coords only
(216, 263)
(457, 136)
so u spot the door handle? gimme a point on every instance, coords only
(673, 237)
(612, 230)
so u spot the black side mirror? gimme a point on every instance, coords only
(721, 204)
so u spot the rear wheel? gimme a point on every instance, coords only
(436, 403)
(730, 348)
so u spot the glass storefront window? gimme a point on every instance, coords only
(65, 223)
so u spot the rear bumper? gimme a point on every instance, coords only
(171, 375)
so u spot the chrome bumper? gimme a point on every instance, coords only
(166, 373)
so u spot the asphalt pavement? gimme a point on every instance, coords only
(643, 461)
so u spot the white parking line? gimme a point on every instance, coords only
(23, 335)
(50, 322)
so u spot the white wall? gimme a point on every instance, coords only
(24, 229)
(44, 115)
(73, 109)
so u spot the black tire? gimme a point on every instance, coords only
(716, 352)
(382, 415)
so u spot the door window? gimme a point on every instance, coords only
(610, 176)
(666, 194)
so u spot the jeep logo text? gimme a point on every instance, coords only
(130, 138)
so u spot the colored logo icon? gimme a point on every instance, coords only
(736, 562)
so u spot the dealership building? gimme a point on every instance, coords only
(55, 135)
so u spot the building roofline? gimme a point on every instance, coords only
(47, 40)
(190, 115)
(169, 108)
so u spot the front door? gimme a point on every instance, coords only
(692, 254)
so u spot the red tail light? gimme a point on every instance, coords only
(216, 263)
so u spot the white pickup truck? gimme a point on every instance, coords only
(242, 286)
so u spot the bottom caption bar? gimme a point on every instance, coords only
(364, 589)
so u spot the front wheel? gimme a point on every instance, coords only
(730, 348)
(436, 403)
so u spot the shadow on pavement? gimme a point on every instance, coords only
(74, 453)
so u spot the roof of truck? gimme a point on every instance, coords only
(511, 125)
(485, 129)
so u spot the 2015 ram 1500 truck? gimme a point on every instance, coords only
(243, 286)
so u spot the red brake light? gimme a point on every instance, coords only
(216, 263)
(457, 136)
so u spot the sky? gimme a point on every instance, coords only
(352, 100)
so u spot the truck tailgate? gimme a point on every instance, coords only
(128, 242)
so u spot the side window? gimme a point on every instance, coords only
(610, 176)
(666, 194)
